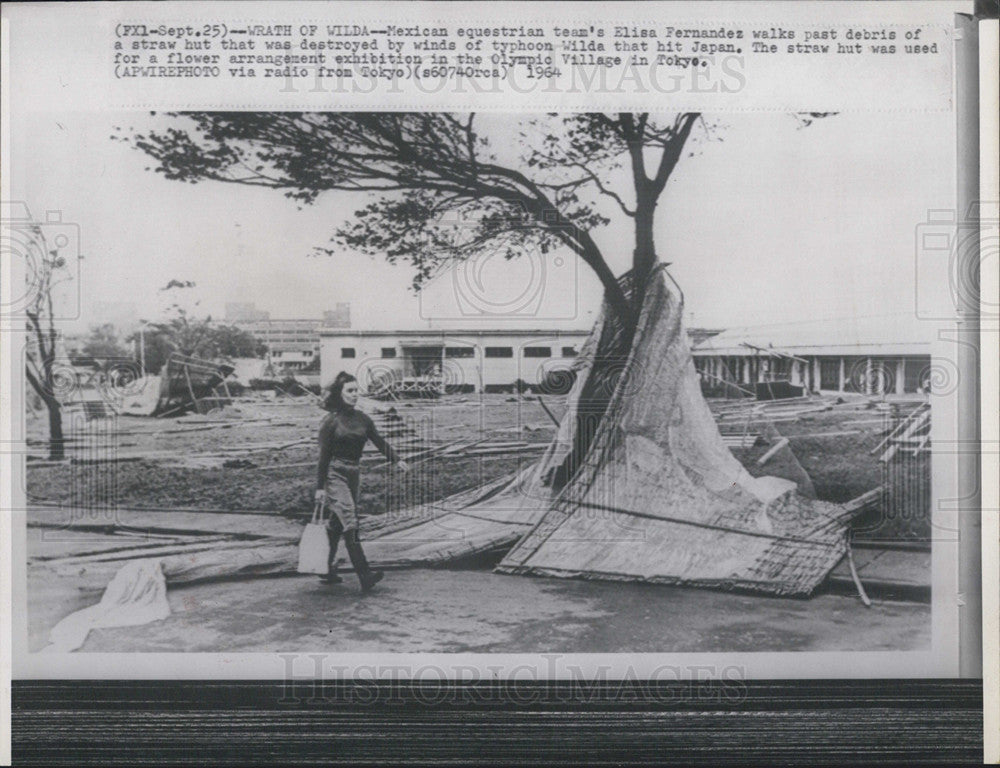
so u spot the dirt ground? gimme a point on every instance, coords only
(422, 610)
(260, 455)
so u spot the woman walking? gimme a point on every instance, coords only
(342, 438)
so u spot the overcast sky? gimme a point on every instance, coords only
(772, 224)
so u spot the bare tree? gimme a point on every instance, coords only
(46, 270)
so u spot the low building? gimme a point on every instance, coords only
(870, 355)
(461, 360)
(291, 355)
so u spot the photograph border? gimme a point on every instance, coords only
(555, 722)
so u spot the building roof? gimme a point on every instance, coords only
(899, 334)
(291, 346)
(440, 335)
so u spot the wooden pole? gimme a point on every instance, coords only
(857, 580)
(187, 376)
(547, 411)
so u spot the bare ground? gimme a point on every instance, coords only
(422, 610)
(261, 456)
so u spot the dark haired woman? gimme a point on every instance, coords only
(342, 438)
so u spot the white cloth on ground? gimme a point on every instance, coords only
(136, 595)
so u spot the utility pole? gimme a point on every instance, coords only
(142, 347)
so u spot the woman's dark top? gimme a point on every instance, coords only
(343, 435)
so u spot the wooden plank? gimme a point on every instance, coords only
(841, 433)
(771, 451)
(916, 422)
(898, 427)
(547, 411)
(159, 549)
(174, 521)
(187, 376)
(865, 500)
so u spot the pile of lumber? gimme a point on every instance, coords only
(912, 434)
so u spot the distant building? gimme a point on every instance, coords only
(339, 317)
(292, 343)
(873, 355)
(244, 312)
(697, 335)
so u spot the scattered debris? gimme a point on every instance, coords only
(191, 383)
(912, 432)
(771, 451)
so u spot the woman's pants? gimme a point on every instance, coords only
(334, 531)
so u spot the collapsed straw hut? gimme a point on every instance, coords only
(637, 485)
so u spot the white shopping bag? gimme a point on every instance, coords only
(314, 547)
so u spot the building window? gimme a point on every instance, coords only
(459, 352)
(276, 354)
(388, 351)
(569, 351)
(538, 351)
(308, 353)
(916, 374)
(347, 351)
(499, 352)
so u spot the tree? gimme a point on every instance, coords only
(195, 337)
(231, 341)
(103, 344)
(184, 333)
(47, 268)
(429, 170)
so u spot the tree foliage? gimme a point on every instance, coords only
(183, 332)
(437, 188)
(103, 343)
(192, 336)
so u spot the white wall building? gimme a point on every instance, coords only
(475, 360)
(867, 355)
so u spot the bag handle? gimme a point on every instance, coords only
(317, 516)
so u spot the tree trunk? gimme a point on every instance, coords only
(57, 450)
(644, 256)
(593, 257)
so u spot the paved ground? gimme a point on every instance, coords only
(479, 611)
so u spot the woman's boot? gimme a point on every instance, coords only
(333, 531)
(366, 575)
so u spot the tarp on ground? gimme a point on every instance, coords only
(141, 397)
